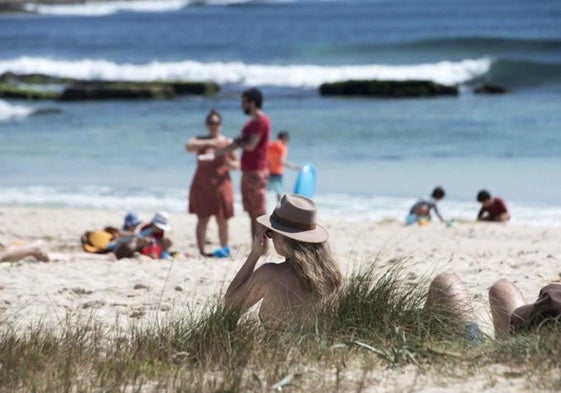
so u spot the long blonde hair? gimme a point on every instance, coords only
(315, 267)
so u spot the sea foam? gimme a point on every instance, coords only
(291, 76)
(332, 206)
(108, 8)
(9, 111)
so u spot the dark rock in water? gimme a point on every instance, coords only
(377, 88)
(197, 88)
(11, 6)
(135, 90)
(119, 90)
(39, 86)
(489, 88)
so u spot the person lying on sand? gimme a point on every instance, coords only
(510, 312)
(513, 314)
(16, 252)
(308, 275)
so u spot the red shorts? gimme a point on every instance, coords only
(254, 192)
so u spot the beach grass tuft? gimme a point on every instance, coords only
(377, 323)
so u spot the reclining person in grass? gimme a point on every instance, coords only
(510, 312)
(289, 289)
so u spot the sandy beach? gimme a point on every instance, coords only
(80, 285)
(75, 286)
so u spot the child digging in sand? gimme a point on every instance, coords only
(420, 212)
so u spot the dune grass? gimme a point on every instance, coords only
(377, 323)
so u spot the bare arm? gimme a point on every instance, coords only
(232, 160)
(438, 213)
(291, 165)
(247, 287)
(228, 149)
(247, 144)
(251, 143)
(503, 217)
(480, 214)
(195, 144)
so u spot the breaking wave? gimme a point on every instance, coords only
(292, 76)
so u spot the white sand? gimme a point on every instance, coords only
(80, 285)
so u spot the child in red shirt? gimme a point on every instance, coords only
(492, 209)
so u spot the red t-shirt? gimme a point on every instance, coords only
(494, 210)
(256, 159)
(276, 152)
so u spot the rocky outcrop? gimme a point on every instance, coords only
(17, 92)
(489, 88)
(38, 86)
(113, 91)
(381, 88)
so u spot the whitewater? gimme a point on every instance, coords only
(293, 76)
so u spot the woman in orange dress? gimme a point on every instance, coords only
(212, 192)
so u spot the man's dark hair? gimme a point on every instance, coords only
(283, 135)
(438, 193)
(254, 95)
(483, 196)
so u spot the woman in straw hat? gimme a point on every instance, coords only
(308, 275)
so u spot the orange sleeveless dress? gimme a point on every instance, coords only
(211, 192)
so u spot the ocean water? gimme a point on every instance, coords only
(373, 157)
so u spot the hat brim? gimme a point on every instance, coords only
(317, 235)
(163, 227)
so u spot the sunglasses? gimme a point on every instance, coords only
(213, 123)
(269, 233)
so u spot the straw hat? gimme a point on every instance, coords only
(295, 217)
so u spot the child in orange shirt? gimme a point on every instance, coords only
(276, 160)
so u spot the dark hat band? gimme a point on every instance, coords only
(293, 224)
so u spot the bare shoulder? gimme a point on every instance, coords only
(269, 268)
(272, 269)
(277, 274)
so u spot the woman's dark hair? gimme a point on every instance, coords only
(438, 193)
(211, 114)
(253, 95)
(483, 195)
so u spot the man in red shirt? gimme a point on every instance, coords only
(492, 209)
(253, 141)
